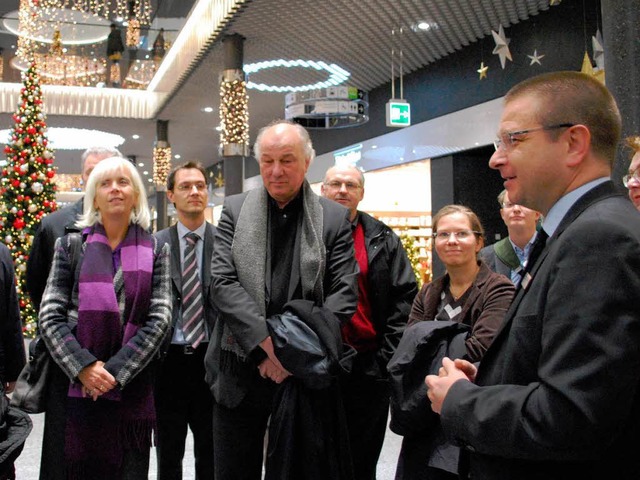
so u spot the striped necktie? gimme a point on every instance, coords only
(192, 304)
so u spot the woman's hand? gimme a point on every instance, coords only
(96, 380)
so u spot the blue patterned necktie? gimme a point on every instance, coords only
(192, 304)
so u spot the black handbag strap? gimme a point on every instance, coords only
(75, 248)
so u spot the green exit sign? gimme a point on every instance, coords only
(398, 113)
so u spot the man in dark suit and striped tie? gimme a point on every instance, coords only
(183, 399)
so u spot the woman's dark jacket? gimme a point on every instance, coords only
(483, 311)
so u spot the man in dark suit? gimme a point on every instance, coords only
(183, 399)
(509, 255)
(557, 395)
(58, 224)
(274, 244)
(386, 289)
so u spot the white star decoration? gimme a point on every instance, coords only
(598, 50)
(502, 46)
(535, 58)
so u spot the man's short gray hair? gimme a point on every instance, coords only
(103, 152)
(305, 140)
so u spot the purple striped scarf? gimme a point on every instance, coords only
(97, 433)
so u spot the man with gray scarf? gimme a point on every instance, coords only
(274, 244)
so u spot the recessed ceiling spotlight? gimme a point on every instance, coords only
(145, 172)
(425, 26)
(141, 164)
(373, 147)
(150, 180)
(337, 75)
(177, 157)
(135, 136)
(218, 128)
(207, 109)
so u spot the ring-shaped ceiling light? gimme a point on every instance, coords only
(73, 138)
(337, 75)
(76, 27)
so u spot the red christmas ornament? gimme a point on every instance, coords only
(27, 140)
(22, 304)
(34, 176)
(50, 173)
(7, 149)
(49, 161)
(18, 224)
(31, 130)
(46, 203)
(15, 183)
(20, 213)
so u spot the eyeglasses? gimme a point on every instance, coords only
(507, 140)
(460, 235)
(187, 187)
(335, 185)
(628, 178)
(509, 205)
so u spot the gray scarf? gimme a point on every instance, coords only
(250, 253)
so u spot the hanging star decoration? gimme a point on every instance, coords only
(482, 70)
(219, 180)
(502, 46)
(587, 67)
(598, 50)
(217, 175)
(535, 58)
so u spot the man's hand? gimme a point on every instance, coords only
(271, 367)
(438, 385)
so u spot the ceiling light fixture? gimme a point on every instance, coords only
(207, 109)
(62, 138)
(337, 75)
(425, 26)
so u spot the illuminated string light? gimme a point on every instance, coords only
(133, 33)
(60, 19)
(161, 164)
(161, 155)
(337, 74)
(234, 113)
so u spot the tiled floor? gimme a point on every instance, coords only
(28, 464)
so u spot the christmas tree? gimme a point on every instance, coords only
(27, 191)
